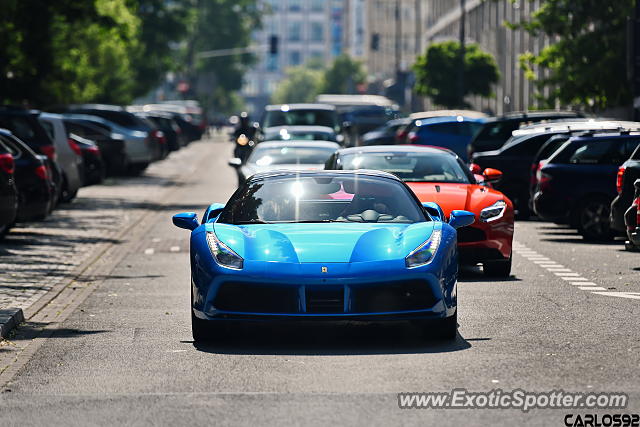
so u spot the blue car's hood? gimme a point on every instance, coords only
(323, 242)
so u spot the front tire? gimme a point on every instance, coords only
(199, 330)
(593, 219)
(442, 329)
(500, 268)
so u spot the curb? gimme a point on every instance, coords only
(9, 319)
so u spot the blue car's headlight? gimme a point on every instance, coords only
(493, 212)
(223, 255)
(424, 253)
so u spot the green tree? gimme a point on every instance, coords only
(586, 64)
(343, 76)
(163, 25)
(222, 24)
(437, 70)
(301, 84)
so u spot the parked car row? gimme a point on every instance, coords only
(46, 157)
(558, 165)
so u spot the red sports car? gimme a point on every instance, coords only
(438, 175)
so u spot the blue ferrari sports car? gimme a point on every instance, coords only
(324, 245)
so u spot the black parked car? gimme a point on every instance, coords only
(36, 193)
(93, 168)
(628, 173)
(112, 147)
(8, 191)
(26, 126)
(497, 130)
(166, 123)
(577, 183)
(385, 134)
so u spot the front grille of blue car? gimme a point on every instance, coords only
(257, 298)
(250, 297)
(324, 299)
(395, 296)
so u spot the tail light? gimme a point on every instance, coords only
(93, 149)
(620, 178)
(159, 135)
(401, 136)
(534, 172)
(544, 181)
(413, 137)
(76, 149)
(49, 151)
(637, 203)
(7, 163)
(41, 172)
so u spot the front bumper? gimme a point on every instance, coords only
(485, 241)
(348, 291)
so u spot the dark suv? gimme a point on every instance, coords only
(628, 173)
(497, 130)
(577, 183)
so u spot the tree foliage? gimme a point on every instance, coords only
(343, 75)
(301, 84)
(223, 24)
(437, 70)
(586, 64)
(68, 51)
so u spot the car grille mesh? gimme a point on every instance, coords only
(270, 298)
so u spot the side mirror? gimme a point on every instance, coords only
(475, 169)
(235, 162)
(434, 210)
(492, 175)
(346, 125)
(459, 219)
(186, 220)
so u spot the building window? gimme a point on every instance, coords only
(295, 58)
(294, 30)
(317, 32)
(295, 5)
(274, 5)
(317, 5)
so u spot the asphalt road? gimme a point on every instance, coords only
(567, 319)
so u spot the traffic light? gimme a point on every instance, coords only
(375, 41)
(273, 45)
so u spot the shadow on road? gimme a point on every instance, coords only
(328, 340)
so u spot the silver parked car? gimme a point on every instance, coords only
(139, 147)
(69, 157)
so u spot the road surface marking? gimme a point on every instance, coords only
(567, 274)
(630, 295)
(149, 251)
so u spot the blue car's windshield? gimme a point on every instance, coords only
(322, 198)
(410, 167)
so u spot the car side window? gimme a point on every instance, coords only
(630, 147)
(11, 147)
(593, 153)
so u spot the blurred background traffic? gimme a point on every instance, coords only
(543, 91)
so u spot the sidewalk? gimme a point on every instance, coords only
(35, 257)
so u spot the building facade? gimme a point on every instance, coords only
(306, 30)
(485, 26)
